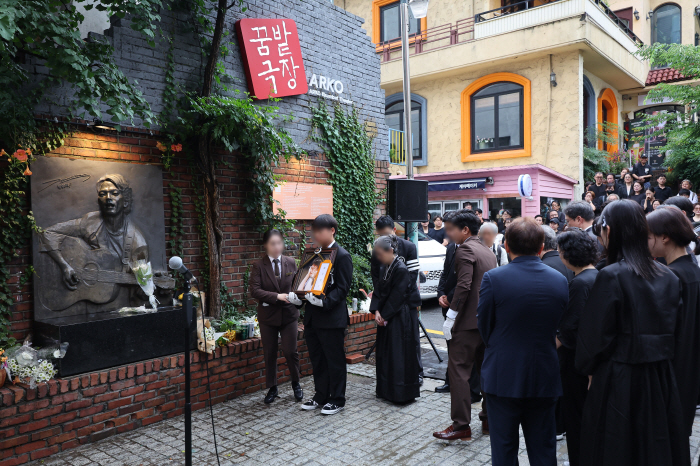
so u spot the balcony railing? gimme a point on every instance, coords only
(431, 39)
(530, 4)
(397, 150)
(463, 30)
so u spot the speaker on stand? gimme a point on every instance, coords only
(407, 200)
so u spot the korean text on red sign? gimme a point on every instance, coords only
(272, 57)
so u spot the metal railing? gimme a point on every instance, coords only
(528, 4)
(431, 39)
(397, 149)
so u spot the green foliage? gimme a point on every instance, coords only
(232, 308)
(47, 30)
(351, 173)
(596, 160)
(682, 133)
(15, 231)
(361, 278)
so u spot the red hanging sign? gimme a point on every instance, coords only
(271, 57)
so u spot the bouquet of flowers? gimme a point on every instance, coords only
(31, 366)
(144, 276)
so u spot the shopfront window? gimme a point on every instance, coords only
(390, 28)
(497, 117)
(497, 205)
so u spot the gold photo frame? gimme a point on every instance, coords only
(313, 275)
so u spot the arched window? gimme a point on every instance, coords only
(666, 24)
(607, 119)
(419, 123)
(588, 113)
(496, 118)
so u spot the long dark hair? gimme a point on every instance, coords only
(628, 237)
(671, 221)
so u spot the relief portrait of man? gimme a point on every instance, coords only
(91, 255)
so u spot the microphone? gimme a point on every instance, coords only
(176, 264)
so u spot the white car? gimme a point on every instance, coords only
(431, 257)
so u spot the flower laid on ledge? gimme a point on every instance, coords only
(31, 366)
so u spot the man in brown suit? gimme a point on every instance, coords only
(271, 283)
(472, 260)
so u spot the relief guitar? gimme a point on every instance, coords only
(97, 272)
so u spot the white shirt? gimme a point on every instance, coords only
(331, 245)
(504, 254)
(272, 262)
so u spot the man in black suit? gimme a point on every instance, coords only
(550, 254)
(325, 322)
(579, 214)
(407, 252)
(520, 392)
(445, 292)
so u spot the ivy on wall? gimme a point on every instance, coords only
(351, 173)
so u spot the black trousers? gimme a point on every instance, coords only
(575, 388)
(327, 354)
(536, 416)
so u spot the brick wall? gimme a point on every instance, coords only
(67, 412)
(332, 41)
(242, 241)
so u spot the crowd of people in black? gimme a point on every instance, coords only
(612, 354)
(591, 321)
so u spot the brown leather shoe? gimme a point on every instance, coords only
(451, 434)
(485, 426)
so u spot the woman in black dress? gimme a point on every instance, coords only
(397, 328)
(626, 189)
(638, 193)
(670, 234)
(626, 339)
(579, 253)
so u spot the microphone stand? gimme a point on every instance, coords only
(187, 305)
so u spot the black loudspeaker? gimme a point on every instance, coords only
(407, 200)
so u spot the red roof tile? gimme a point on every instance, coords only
(665, 75)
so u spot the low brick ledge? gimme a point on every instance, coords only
(67, 412)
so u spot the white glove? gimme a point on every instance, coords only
(447, 328)
(313, 300)
(293, 299)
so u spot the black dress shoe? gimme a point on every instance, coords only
(443, 388)
(271, 395)
(298, 392)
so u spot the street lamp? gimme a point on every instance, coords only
(419, 8)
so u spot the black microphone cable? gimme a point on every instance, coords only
(206, 364)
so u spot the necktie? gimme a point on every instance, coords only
(277, 269)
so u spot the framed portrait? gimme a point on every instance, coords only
(313, 275)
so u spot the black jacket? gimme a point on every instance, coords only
(448, 279)
(552, 259)
(334, 313)
(408, 254)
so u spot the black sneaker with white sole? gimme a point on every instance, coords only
(330, 408)
(309, 405)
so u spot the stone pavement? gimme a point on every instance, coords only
(368, 432)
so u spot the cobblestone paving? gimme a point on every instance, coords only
(368, 432)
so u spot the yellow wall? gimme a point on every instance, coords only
(598, 87)
(563, 153)
(642, 26)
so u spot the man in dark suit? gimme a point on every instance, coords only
(550, 254)
(520, 374)
(445, 292)
(270, 280)
(579, 214)
(325, 322)
(406, 251)
(472, 260)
